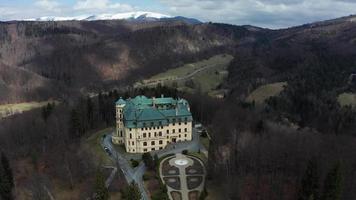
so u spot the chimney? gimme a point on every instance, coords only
(162, 95)
(153, 101)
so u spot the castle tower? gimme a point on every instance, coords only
(119, 135)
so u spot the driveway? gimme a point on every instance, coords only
(136, 174)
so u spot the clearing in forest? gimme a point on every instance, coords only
(204, 76)
(263, 92)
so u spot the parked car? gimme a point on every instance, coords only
(107, 150)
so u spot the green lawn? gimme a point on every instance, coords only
(10, 109)
(93, 145)
(205, 141)
(201, 156)
(265, 91)
(347, 99)
(204, 75)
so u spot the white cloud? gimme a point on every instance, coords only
(265, 13)
(102, 5)
(49, 5)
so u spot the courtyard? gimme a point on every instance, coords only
(184, 176)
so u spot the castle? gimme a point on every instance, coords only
(147, 124)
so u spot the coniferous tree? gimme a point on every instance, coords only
(132, 192)
(310, 182)
(333, 184)
(90, 112)
(101, 192)
(6, 179)
(74, 124)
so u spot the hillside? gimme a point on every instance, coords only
(61, 58)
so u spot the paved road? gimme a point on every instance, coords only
(137, 173)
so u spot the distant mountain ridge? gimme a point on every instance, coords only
(132, 16)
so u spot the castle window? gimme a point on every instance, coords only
(160, 142)
(185, 135)
(167, 131)
(141, 129)
(155, 134)
(185, 130)
(153, 143)
(145, 150)
(149, 134)
(179, 130)
(133, 143)
(130, 136)
(179, 123)
(130, 129)
(144, 143)
(160, 133)
(153, 149)
(179, 135)
(174, 130)
(144, 135)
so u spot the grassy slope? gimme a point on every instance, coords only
(93, 146)
(346, 99)
(213, 73)
(10, 109)
(265, 91)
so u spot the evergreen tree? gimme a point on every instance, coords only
(6, 179)
(132, 192)
(148, 160)
(156, 160)
(90, 112)
(47, 110)
(74, 124)
(333, 184)
(310, 182)
(101, 192)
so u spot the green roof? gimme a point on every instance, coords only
(145, 112)
(120, 101)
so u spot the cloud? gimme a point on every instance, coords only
(265, 13)
(102, 5)
(49, 5)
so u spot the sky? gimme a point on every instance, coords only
(263, 13)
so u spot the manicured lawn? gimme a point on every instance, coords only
(265, 91)
(201, 156)
(93, 146)
(10, 109)
(205, 141)
(347, 99)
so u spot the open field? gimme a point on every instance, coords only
(11, 109)
(347, 99)
(204, 76)
(265, 91)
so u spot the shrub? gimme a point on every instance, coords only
(134, 163)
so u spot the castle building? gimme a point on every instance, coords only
(147, 124)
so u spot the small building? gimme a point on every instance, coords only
(147, 124)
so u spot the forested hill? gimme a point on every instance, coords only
(57, 59)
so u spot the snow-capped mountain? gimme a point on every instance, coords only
(129, 15)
